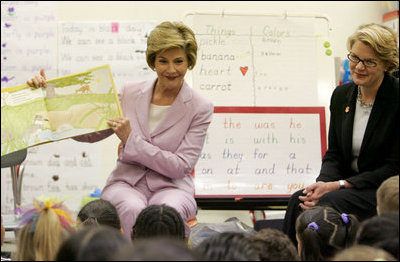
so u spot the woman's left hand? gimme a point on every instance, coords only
(314, 192)
(121, 127)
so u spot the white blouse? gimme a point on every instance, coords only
(156, 114)
(360, 124)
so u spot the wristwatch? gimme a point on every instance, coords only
(341, 183)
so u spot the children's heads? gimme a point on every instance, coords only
(381, 232)
(363, 253)
(42, 230)
(98, 243)
(159, 220)
(99, 211)
(322, 231)
(274, 245)
(387, 196)
(228, 246)
(157, 249)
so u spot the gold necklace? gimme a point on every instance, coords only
(362, 103)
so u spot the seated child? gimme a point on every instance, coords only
(274, 245)
(321, 232)
(98, 243)
(42, 230)
(159, 220)
(363, 253)
(387, 196)
(99, 212)
(381, 232)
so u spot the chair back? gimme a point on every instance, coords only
(14, 158)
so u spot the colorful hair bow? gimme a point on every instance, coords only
(32, 215)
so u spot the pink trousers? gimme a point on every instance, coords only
(130, 201)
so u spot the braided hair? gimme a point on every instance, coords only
(159, 220)
(322, 231)
(99, 212)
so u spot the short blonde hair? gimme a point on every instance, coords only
(363, 253)
(169, 35)
(387, 196)
(381, 39)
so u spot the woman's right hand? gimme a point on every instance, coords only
(38, 81)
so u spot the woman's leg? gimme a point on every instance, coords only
(128, 201)
(293, 210)
(182, 201)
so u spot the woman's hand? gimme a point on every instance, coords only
(121, 127)
(314, 192)
(38, 81)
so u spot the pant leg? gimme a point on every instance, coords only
(359, 202)
(182, 201)
(293, 210)
(128, 201)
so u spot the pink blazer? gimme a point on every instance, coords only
(166, 156)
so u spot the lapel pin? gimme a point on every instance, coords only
(347, 109)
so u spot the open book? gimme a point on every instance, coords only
(69, 106)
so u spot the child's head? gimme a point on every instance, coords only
(387, 196)
(382, 232)
(274, 245)
(98, 243)
(363, 253)
(159, 220)
(322, 231)
(157, 249)
(228, 246)
(101, 212)
(42, 230)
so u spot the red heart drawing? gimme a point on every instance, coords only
(244, 69)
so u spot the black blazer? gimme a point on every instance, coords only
(379, 153)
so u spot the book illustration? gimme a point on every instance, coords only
(69, 106)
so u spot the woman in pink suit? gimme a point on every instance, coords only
(162, 133)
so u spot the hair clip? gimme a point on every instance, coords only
(345, 218)
(313, 225)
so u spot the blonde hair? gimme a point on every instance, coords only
(169, 35)
(387, 196)
(363, 253)
(43, 243)
(381, 39)
(43, 229)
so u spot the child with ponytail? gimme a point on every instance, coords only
(321, 231)
(42, 230)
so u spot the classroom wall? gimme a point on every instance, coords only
(344, 18)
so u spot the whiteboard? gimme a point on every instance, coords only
(262, 69)
(256, 60)
(261, 151)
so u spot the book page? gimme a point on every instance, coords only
(69, 106)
